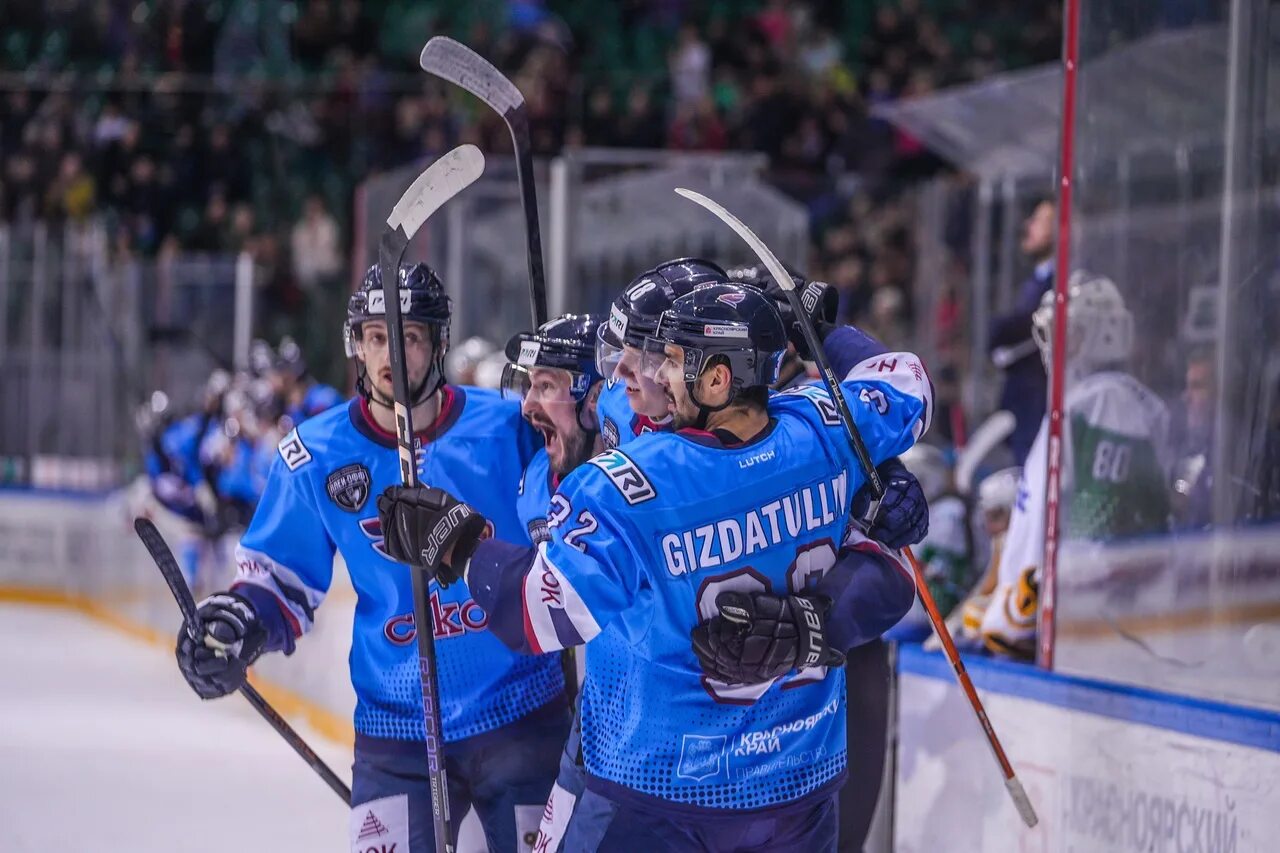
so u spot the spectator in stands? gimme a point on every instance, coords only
(690, 67)
(1025, 391)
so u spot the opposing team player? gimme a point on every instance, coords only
(731, 532)
(1114, 459)
(504, 717)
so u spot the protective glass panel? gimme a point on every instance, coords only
(1169, 564)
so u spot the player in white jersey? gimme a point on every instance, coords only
(1114, 456)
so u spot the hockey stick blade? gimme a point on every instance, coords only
(460, 65)
(441, 181)
(170, 571)
(173, 577)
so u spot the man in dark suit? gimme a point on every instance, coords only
(1026, 386)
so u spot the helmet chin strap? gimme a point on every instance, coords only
(705, 411)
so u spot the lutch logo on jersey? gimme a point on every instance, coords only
(721, 542)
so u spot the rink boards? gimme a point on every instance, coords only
(1108, 767)
(79, 551)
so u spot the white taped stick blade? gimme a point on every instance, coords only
(1022, 801)
(462, 66)
(763, 252)
(441, 181)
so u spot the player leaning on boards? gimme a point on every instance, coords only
(743, 745)
(504, 716)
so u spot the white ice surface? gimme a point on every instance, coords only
(103, 747)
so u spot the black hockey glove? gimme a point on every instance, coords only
(420, 525)
(215, 663)
(757, 637)
(903, 518)
(821, 302)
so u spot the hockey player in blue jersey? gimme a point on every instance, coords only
(301, 395)
(631, 403)
(504, 716)
(741, 745)
(552, 372)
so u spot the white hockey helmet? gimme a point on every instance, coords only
(930, 467)
(460, 362)
(999, 490)
(1099, 326)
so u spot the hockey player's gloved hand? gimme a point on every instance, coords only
(821, 302)
(422, 525)
(903, 518)
(215, 663)
(757, 637)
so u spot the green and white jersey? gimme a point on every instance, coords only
(1115, 463)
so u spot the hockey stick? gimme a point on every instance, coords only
(442, 180)
(1016, 791)
(172, 574)
(463, 67)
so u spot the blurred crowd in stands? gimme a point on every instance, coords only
(231, 125)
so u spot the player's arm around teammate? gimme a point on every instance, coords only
(503, 715)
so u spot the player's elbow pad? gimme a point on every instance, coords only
(871, 591)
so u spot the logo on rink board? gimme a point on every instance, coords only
(628, 479)
(348, 487)
(293, 451)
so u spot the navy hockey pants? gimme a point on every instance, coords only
(505, 774)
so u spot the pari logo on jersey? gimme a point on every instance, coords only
(348, 487)
(721, 542)
(626, 477)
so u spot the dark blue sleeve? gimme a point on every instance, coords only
(279, 635)
(870, 589)
(847, 346)
(496, 577)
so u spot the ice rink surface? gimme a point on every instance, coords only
(103, 747)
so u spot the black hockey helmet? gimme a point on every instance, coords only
(731, 321)
(422, 300)
(633, 317)
(565, 343)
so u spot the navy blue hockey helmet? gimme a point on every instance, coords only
(565, 343)
(731, 321)
(422, 300)
(634, 315)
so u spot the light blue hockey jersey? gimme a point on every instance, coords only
(620, 425)
(321, 495)
(642, 540)
(536, 488)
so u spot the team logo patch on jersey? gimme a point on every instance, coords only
(293, 451)
(701, 757)
(609, 432)
(348, 487)
(627, 478)
(538, 532)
